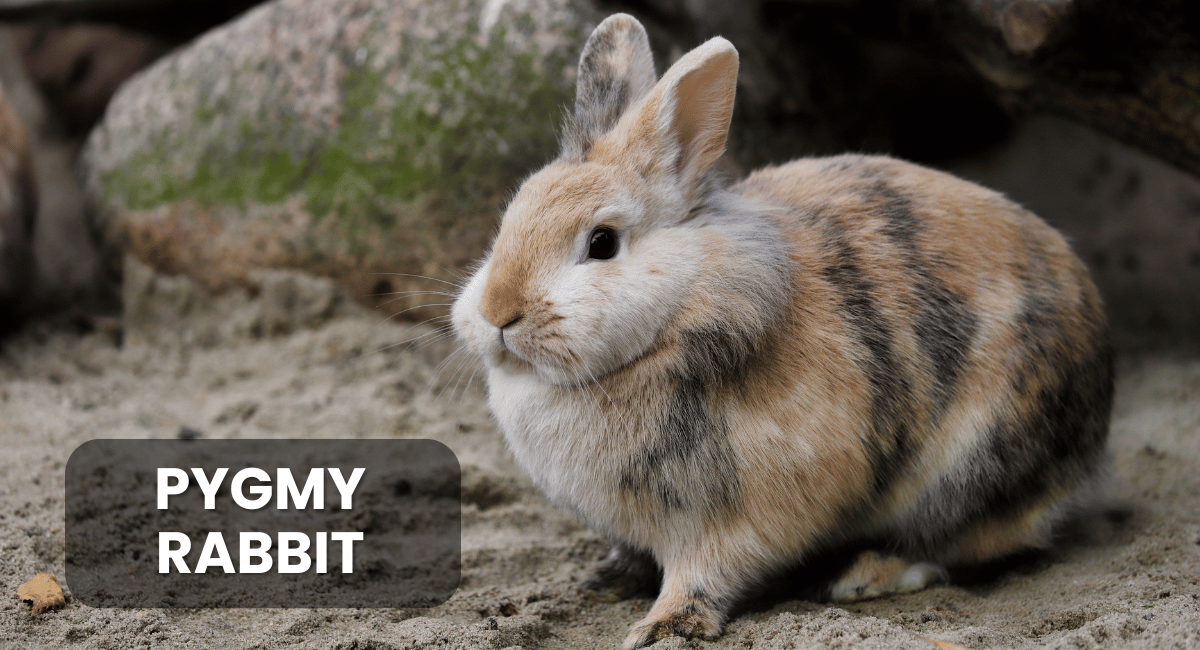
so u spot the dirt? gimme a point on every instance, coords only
(1124, 576)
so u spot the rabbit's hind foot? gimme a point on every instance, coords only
(625, 573)
(873, 575)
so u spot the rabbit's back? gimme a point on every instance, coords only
(957, 345)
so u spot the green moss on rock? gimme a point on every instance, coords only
(423, 146)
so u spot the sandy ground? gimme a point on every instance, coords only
(1126, 577)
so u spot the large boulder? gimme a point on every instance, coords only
(357, 140)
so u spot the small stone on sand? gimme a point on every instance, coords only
(42, 593)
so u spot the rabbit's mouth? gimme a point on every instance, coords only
(558, 365)
(568, 368)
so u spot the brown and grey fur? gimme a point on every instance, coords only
(833, 350)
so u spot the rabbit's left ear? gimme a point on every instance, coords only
(681, 127)
(616, 69)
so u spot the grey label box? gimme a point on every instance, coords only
(399, 525)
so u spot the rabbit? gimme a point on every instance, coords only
(722, 381)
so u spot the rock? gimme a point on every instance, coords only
(79, 67)
(18, 85)
(339, 138)
(485, 489)
(18, 211)
(821, 77)
(291, 301)
(162, 308)
(69, 274)
(189, 433)
(42, 594)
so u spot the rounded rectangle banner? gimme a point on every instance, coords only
(263, 523)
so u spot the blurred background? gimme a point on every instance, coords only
(145, 143)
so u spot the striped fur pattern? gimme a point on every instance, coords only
(833, 350)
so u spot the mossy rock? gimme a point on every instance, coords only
(349, 139)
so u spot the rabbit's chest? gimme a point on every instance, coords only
(564, 439)
(625, 471)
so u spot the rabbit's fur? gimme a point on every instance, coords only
(832, 350)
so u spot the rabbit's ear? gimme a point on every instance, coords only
(615, 70)
(685, 120)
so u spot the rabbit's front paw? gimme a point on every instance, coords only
(689, 615)
(681, 623)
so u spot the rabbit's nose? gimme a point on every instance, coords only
(503, 318)
(504, 296)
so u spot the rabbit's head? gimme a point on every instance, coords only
(597, 253)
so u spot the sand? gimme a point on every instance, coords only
(1125, 576)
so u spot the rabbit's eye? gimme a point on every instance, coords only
(603, 244)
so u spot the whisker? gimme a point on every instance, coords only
(424, 277)
(437, 371)
(438, 333)
(411, 292)
(467, 365)
(408, 294)
(457, 373)
(443, 334)
(411, 340)
(460, 275)
(410, 327)
(427, 320)
(467, 388)
(441, 367)
(428, 304)
(432, 319)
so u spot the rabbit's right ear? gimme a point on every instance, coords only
(616, 69)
